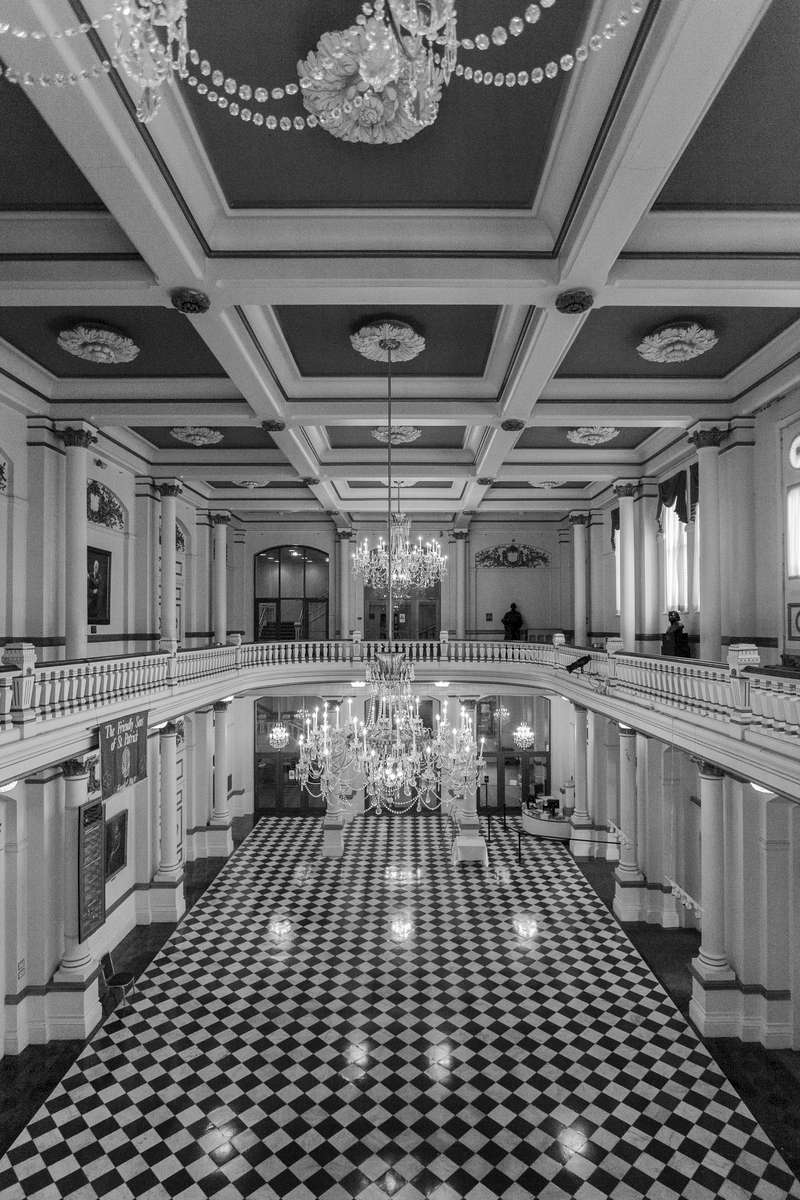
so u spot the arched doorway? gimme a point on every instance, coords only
(290, 586)
(416, 617)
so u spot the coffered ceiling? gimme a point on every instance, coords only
(632, 177)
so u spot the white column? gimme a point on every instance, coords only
(739, 516)
(77, 963)
(712, 961)
(650, 588)
(580, 815)
(345, 621)
(461, 583)
(626, 489)
(628, 879)
(220, 522)
(168, 902)
(707, 441)
(77, 442)
(541, 723)
(169, 864)
(169, 637)
(579, 523)
(220, 836)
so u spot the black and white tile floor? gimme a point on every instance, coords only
(399, 1037)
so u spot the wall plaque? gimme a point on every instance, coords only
(123, 753)
(91, 870)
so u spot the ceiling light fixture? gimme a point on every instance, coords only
(395, 566)
(379, 81)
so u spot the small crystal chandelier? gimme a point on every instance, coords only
(396, 564)
(142, 53)
(279, 736)
(523, 737)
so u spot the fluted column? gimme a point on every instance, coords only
(626, 489)
(461, 582)
(344, 538)
(169, 613)
(579, 523)
(77, 963)
(712, 961)
(707, 441)
(220, 522)
(76, 442)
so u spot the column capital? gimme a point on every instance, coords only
(78, 435)
(626, 730)
(74, 768)
(704, 437)
(171, 487)
(220, 518)
(579, 518)
(344, 535)
(459, 535)
(580, 708)
(168, 730)
(626, 489)
(221, 706)
(709, 770)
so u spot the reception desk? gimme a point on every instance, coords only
(537, 822)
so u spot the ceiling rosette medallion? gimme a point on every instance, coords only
(361, 87)
(375, 341)
(249, 483)
(196, 435)
(544, 483)
(592, 435)
(677, 343)
(401, 434)
(98, 344)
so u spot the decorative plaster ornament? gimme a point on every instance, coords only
(273, 426)
(196, 435)
(512, 425)
(512, 555)
(375, 341)
(545, 483)
(677, 343)
(592, 435)
(362, 86)
(574, 302)
(249, 483)
(104, 507)
(98, 344)
(190, 301)
(3, 477)
(401, 434)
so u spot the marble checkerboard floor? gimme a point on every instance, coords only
(381, 1026)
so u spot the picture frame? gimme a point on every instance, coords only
(793, 622)
(98, 586)
(116, 844)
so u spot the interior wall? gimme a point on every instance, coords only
(537, 591)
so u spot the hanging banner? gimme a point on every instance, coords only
(91, 874)
(123, 753)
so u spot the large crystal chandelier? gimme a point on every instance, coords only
(395, 563)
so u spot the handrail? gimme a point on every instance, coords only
(49, 690)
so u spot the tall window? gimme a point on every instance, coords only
(793, 530)
(675, 560)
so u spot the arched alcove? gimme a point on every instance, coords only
(290, 593)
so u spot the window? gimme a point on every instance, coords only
(617, 578)
(793, 530)
(675, 560)
(696, 562)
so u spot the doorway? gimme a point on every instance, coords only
(416, 617)
(277, 790)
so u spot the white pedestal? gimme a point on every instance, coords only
(167, 901)
(470, 847)
(333, 837)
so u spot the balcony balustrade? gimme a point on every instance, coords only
(723, 703)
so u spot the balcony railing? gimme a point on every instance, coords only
(736, 699)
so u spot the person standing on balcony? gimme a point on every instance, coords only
(512, 623)
(675, 642)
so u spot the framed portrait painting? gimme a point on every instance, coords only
(98, 586)
(116, 844)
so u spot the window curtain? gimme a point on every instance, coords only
(793, 530)
(675, 560)
(672, 494)
(614, 527)
(694, 489)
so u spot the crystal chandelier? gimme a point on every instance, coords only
(523, 737)
(142, 53)
(327, 755)
(396, 564)
(279, 736)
